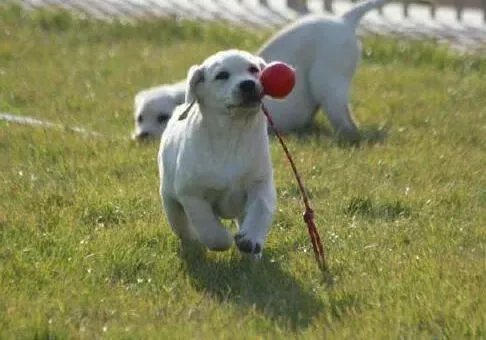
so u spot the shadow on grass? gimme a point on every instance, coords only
(373, 134)
(261, 285)
(369, 135)
(309, 131)
(366, 207)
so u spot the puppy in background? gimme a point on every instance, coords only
(325, 52)
(153, 108)
(214, 160)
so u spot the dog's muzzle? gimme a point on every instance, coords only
(250, 93)
(141, 136)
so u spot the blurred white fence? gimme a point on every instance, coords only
(461, 23)
(110, 8)
(458, 6)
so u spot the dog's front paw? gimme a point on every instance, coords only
(246, 245)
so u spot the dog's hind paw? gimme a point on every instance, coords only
(248, 246)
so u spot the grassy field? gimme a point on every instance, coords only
(85, 251)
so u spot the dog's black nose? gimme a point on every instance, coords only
(143, 135)
(248, 87)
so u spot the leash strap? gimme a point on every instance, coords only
(308, 213)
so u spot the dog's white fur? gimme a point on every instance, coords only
(325, 52)
(154, 106)
(214, 158)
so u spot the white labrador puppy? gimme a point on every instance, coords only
(214, 158)
(325, 52)
(153, 108)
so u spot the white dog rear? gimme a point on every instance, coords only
(326, 53)
(214, 158)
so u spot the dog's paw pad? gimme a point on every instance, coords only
(246, 245)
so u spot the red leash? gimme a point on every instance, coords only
(309, 213)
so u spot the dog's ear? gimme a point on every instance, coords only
(194, 77)
(139, 98)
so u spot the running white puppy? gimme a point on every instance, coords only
(214, 158)
(325, 52)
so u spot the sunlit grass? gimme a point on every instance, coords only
(85, 250)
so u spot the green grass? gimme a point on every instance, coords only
(85, 251)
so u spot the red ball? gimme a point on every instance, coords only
(278, 79)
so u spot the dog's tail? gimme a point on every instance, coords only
(354, 15)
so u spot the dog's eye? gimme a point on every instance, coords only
(162, 118)
(140, 119)
(223, 75)
(253, 69)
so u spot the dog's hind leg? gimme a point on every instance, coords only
(332, 94)
(212, 233)
(178, 220)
